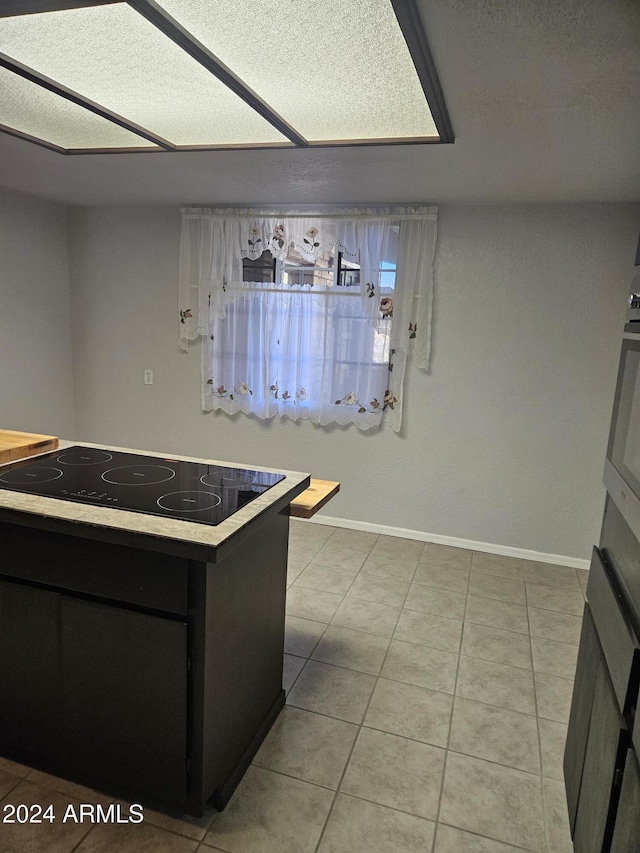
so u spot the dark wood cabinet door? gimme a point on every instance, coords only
(30, 674)
(125, 703)
(607, 738)
(626, 835)
(616, 635)
(589, 660)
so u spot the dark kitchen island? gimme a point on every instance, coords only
(141, 655)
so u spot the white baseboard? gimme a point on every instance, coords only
(453, 541)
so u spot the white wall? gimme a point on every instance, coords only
(503, 442)
(36, 375)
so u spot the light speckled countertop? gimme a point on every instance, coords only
(172, 529)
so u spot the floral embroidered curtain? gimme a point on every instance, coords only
(308, 351)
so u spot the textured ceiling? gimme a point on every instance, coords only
(543, 98)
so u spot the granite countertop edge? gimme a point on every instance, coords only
(172, 529)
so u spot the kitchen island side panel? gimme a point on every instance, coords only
(244, 646)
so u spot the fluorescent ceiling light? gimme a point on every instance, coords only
(185, 74)
(334, 70)
(39, 113)
(114, 57)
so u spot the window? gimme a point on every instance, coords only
(299, 343)
(330, 270)
(262, 269)
(296, 270)
(304, 318)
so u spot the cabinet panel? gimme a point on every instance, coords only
(626, 836)
(125, 701)
(589, 660)
(30, 674)
(114, 572)
(621, 552)
(244, 644)
(616, 636)
(636, 726)
(607, 737)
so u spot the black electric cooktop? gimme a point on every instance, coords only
(153, 485)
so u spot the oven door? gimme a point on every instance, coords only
(622, 465)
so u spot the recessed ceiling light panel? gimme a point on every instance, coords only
(35, 111)
(114, 57)
(334, 70)
(219, 73)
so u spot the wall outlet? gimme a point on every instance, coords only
(148, 377)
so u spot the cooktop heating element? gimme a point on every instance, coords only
(153, 485)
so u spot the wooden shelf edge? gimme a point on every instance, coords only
(312, 499)
(17, 445)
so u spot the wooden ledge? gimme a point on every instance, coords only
(309, 502)
(15, 445)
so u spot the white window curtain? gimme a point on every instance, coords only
(323, 352)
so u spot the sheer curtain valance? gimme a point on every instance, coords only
(342, 359)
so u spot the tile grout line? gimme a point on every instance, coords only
(530, 583)
(13, 787)
(289, 585)
(51, 790)
(361, 725)
(308, 659)
(355, 740)
(82, 840)
(535, 700)
(517, 847)
(431, 690)
(355, 796)
(453, 703)
(330, 622)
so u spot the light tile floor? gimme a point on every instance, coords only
(428, 696)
